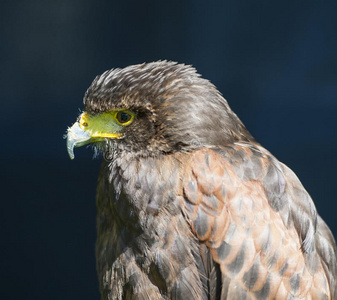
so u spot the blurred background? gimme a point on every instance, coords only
(274, 61)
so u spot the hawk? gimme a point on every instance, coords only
(189, 205)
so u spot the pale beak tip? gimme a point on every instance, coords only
(71, 153)
(70, 145)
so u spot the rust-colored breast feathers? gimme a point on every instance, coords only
(237, 202)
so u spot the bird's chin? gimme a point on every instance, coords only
(107, 148)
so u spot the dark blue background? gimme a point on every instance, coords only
(274, 61)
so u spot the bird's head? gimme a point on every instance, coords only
(152, 108)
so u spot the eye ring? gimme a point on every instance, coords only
(124, 117)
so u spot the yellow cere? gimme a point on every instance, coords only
(104, 125)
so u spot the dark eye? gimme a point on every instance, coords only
(123, 117)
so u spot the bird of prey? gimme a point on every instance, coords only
(189, 205)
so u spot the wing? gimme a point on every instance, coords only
(258, 230)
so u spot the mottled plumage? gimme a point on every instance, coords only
(190, 206)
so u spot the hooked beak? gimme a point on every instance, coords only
(77, 137)
(92, 128)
